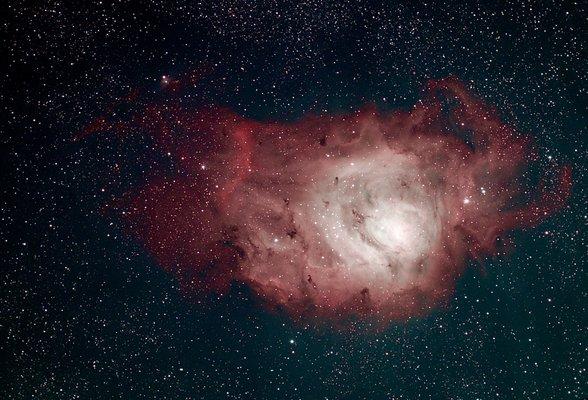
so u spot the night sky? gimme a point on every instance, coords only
(90, 310)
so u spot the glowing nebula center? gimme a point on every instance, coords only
(372, 214)
(366, 225)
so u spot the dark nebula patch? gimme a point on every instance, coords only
(366, 215)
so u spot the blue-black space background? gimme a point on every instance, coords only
(85, 312)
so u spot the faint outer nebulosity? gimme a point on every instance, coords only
(366, 215)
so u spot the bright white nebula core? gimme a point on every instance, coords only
(374, 224)
(363, 227)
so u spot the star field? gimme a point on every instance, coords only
(88, 313)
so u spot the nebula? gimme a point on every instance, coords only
(369, 215)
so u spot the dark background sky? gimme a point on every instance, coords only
(87, 314)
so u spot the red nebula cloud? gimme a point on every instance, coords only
(370, 215)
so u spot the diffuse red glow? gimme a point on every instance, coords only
(368, 215)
